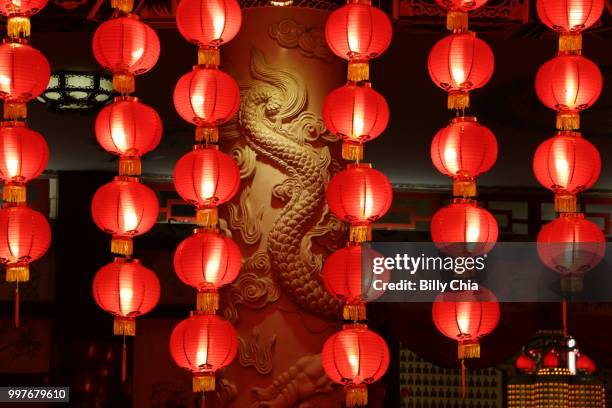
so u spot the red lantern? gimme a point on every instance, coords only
(207, 260)
(206, 178)
(18, 13)
(570, 18)
(585, 365)
(346, 278)
(358, 32)
(525, 364)
(25, 236)
(126, 47)
(458, 64)
(566, 164)
(466, 317)
(202, 344)
(457, 17)
(568, 84)
(359, 195)
(24, 74)
(23, 156)
(129, 129)
(124, 208)
(208, 23)
(356, 114)
(463, 150)
(126, 289)
(551, 359)
(355, 357)
(464, 229)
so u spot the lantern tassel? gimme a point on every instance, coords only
(207, 134)
(468, 350)
(124, 326)
(210, 57)
(356, 395)
(123, 5)
(568, 121)
(352, 150)
(464, 187)
(570, 43)
(565, 203)
(360, 233)
(458, 100)
(124, 361)
(15, 111)
(18, 27)
(358, 71)
(122, 246)
(354, 312)
(207, 217)
(208, 301)
(19, 272)
(124, 83)
(457, 21)
(203, 382)
(14, 193)
(130, 166)
(463, 380)
(17, 321)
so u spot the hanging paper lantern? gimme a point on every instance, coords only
(466, 317)
(24, 74)
(129, 129)
(23, 156)
(458, 64)
(356, 114)
(358, 32)
(206, 178)
(457, 16)
(207, 260)
(207, 98)
(355, 357)
(345, 277)
(585, 365)
(124, 208)
(551, 359)
(569, 18)
(202, 344)
(464, 229)
(568, 84)
(525, 364)
(126, 47)
(359, 195)
(463, 150)
(18, 13)
(566, 164)
(25, 236)
(126, 289)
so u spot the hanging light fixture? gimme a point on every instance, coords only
(72, 91)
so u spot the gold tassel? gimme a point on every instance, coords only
(207, 217)
(207, 134)
(16, 111)
(124, 326)
(122, 246)
(18, 27)
(572, 283)
(458, 100)
(352, 150)
(568, 121)
(210, 57)
(354, 312)
(570, 43)
(19, 272)
(14, 193)
(356, 395)
(208, 301)
(468, 350)
(457, 21)
(565, 203)
(360, 233)
(123, 5)
(124, 83)
(203, 382)
(464, 187)
(130, 166)
(358, 71)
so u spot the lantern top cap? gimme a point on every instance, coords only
(204, 230)
(461, 200)
(359, 165)
(568, 133)
(364, 2)
(571, 215)
(460, 119)
(121, 260)
(202, 146)
(12, 123)
(15, 41)
(126, 179)
(125, 98)
(355, 326)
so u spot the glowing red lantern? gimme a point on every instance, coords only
(458, 64)
(126, 47)
(568, 84)
(551, 359)
(129, 129)
(463, 150)
(24, 74)
(525, 364)
(585, 364)
(359, 195)
(345, 277)
(25, 236)
(207, 260)
(464, 229)
(124, 208)
(23, 156)
(566, 164)
(466, 317)
(356, 114)
(206, 178)
(457, 17)
(18, 13)
(202, 344)
(569, 18)
(126, 289)
(208, 23)
(355, 357)
(358, 32)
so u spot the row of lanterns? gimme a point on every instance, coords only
(356, 356)
(205, 177)
(25, 234)
(125, 207)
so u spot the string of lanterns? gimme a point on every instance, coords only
(125, 207)
(205, 177)
(463, 150)
(359, 195)
(25, 234)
